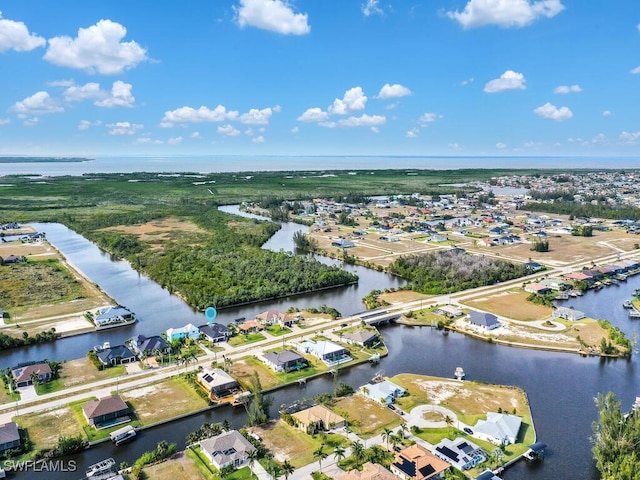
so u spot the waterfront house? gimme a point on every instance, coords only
(215, 332)
(11, 259)
(227, 449)
(250, 326)
(112, 316)
(370, 471)
(142, 345)
(106, 412)
(567, 313)
(116, 355)
(382, 391)
(9, 436)
(417, 463)
(555, 284)
(448, 311)
(329, 352)
(218, 383)
(484, 320)
(461, 453)
(498, 428)
(284, 361)
(188, 331)
(364, 338)
(274, 317)
(318, 418)
(537, 288)
(577, 277)
(488, 475)
(24, 373)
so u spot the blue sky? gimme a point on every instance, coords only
(320, 77)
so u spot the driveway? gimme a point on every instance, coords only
(27, 393)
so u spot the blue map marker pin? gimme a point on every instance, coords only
(210, 313)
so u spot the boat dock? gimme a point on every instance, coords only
(123, 435)
(535, 452)
(633, 313)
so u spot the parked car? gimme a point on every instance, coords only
(468, 430)
(391, 406)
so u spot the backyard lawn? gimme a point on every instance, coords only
(45, 427)
(366, 417)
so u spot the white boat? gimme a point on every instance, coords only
(123, 435)
(98, 469)
(627, 304)
(459, 373)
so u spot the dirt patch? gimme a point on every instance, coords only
(402, 296)
(243, 370)
(82, 372)
(287, 443)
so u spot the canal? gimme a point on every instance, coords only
(560, 387)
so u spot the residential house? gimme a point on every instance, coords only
(188, 331)
(382, 391)
(488, 475)
(116, 355)
(370, 471)
(342, 243)
(577, 277)
(11, 259)
(106, 412)
(154, 345)
(461, 453)
(329, 352)
(9, 436)
(285, 361)
(484, 320)
(537, 288)
(250, 326)
(533, 266)
(274, 317)
(498, 428)
(448, 311)
(318, 418)
(555, 284)
(364, 338)
(113, 315)
(417, 463)
(228, 448)
(215, 332)
(218, 383)
(24, 373)
(567, 313)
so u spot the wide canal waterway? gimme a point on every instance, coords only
(560, 387)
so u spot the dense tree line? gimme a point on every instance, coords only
(613, 212)
(616, 440)
(7, 341)
(453, 271)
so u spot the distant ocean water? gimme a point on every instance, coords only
(232, 163)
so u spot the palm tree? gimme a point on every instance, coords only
(252, 457)
(287, 469)
(226, 425)
(387, 432)
(395, 439)
(358, 452)
(339, 452)
(274, 470)
(320, 455)
(449, 421)
(404, 429)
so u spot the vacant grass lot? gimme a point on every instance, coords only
(240, 340)
(243, 370)
(180, 467)
(511, 304)
(81, 371)
(366, 417)
(44, 428)
(163, 400)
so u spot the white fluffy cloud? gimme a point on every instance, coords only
(315, 114)
(257, 117)
(185, 115)
(258, 139)
(228, 130)
(564, 89)
(15, 36)
(505, 13)
(79, 93)
(295, 130)
(509, 80)
(273, 15)
(371, 7)
(501, 146)
(630, 137)
(30, 122)
(428, 117)
(363, 120)
(175, 141)
(413, 133)
(124, 128)
(98, 48)
(37, 104)
(195, 135)
(636, 70)
(87, 124)
(552, 112)
(606, 113)
(119, 96)
(354, 100)
(393, 91)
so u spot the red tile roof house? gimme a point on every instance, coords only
(536, 288)
(22, 373)
(274, 317)
(106, 412)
